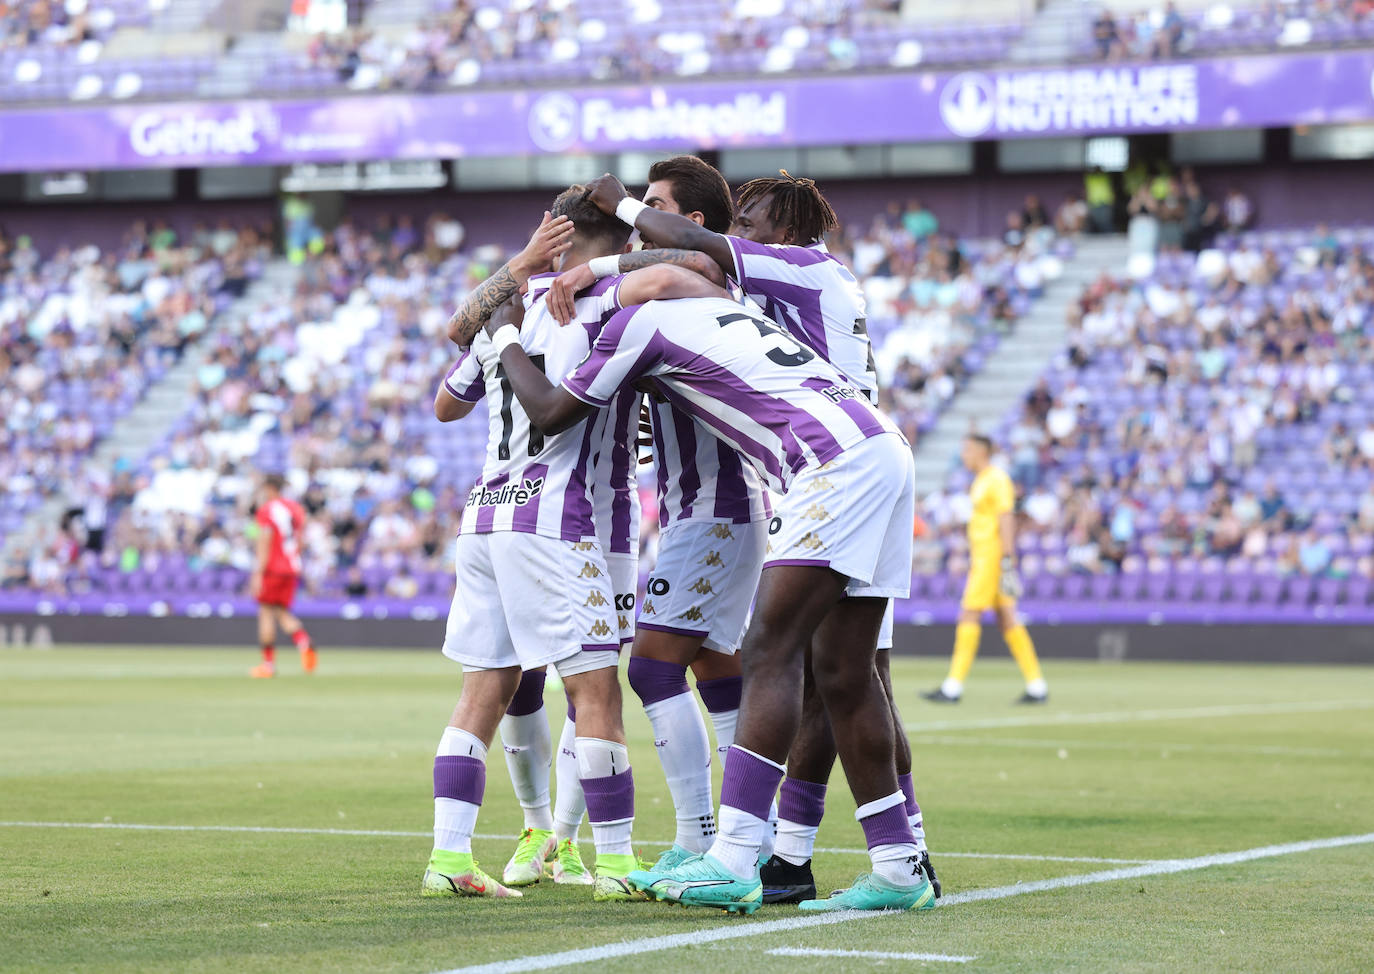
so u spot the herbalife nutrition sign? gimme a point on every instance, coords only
(974, 105)
(1218, 93)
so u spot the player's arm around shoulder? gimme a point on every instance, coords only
(663, 228)
(665, 282)
(550, 408)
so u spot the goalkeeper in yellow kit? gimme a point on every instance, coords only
(993, 581)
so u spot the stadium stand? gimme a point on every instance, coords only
(83, 334)
(1203, 442)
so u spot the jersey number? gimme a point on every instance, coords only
(508, 422)
(782, 350)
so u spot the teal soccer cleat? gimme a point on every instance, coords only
(871, 892)
(701, 881)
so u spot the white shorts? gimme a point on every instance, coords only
(624, 570)
(525, 600)
(704, 582)
(885, 633)
(853, 515)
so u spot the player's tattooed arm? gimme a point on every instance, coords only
(551, 408)
(662, 228)
(664, 282)
(549, 242)
(565, 288)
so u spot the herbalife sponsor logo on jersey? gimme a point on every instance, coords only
(557, 120)
(1088, 99)
(517, 493)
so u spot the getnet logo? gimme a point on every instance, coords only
(164, 134)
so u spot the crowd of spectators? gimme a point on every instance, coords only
(1214, 410)
(83, 332)
(1165, 32)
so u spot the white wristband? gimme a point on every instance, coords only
(506, 336)
(629, 208)
(604, 266)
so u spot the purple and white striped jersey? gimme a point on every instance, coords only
(700, 478)
(810, 292)
(530, 482)
(770, 398)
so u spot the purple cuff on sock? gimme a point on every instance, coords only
(909, 790)
(529, 695)
(460, 776)
(721, 695)
(888, 827)
(656, 679)
(802, 802)
(610, 799)
(750, 783)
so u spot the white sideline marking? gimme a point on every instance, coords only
(286, 830)
(1131, 716)
(1267, 750)
(870, 954)
(744, 928)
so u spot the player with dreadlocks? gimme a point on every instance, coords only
(776, 253)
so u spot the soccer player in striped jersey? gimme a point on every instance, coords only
(713, 517)
(776, 253)
(842, 546)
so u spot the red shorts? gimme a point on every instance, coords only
(278, 590)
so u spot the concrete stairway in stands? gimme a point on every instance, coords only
(1018, 362)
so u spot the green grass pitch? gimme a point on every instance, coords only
(1133, 761)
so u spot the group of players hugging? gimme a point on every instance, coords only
(785, 499)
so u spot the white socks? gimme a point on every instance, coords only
(896, 863)
(608, 787)
(455, 819)
(528, 756)
(459, 743)
(569, 805)
(796, 842)
(952, 687)
(724, 722)
(739, 841)
(685, 752)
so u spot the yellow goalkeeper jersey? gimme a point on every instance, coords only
(992, 495)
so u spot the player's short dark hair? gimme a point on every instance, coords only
(588, 220)
(796, 203)
(984, 441)
(274, 480)
(698, 187)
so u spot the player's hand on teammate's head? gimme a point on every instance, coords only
(606, 192)
(562, 297)
(510, 313)
(549, 242)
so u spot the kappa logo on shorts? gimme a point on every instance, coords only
(625, 602)
(589, 571)
(624, 622)
(691, 615)
(648, 609)
(521, 493)
(820, 483)
(600, 630)
(584, 546)
(816, 513)
(722, 531)
(657, 586)
(810, 541)
(713, 560)
(702, 586)
(596, 599)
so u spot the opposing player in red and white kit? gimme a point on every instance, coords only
(277, 573)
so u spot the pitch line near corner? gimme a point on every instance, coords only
(481, 836)
(868, 954)
(738, 929)
(1133, 716)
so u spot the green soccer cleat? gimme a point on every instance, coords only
(871, 892)
(566, 866)
(457, 874)
(526, 867)
(610, 884)
(702, 881)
